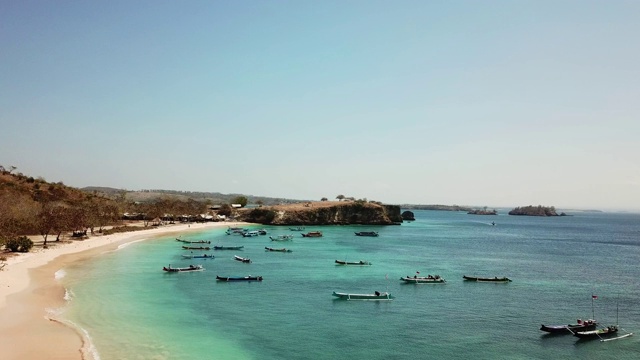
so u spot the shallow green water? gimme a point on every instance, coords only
(133, 310)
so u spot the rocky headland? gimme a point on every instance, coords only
(324, 213)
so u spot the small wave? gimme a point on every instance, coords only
(122, 246)
(60, 274)
(68, 295)
(88, 350)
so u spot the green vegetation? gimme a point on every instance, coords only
(242, 200)
(19, 244)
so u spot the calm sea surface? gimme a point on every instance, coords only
(131, 309)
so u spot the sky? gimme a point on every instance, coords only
(477, 103)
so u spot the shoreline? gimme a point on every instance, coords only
(30, 292)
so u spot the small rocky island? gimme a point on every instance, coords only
(325, 213)
(483, 212)
(536, 211)
(408, 216)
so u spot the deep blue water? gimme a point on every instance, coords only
(133, 310)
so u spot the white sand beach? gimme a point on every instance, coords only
(28, 290)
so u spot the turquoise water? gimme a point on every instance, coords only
(131, 309)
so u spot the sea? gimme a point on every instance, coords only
(562, 268)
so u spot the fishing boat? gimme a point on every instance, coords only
(281, 238)
(299, 228)
(250, 233)
(280, 250)
(193, 241)
(581, 325)
(196, 248)
(598, 333)
(235, 230)
(239, 278)
(218, 247)
(244, 260)
(313, 234)
(436, 279)
(189, 268)
(203, 256)
(376, 296)
(485, 279)
(367, 233)
(604, 334)
(361, 262)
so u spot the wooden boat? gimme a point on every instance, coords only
(312, 234)
(361, 262)
(235, 230)
(196, 248)
(189, 268)
(482, 279)
(250, 233)
(239, 278)
(423, 279)
(244, 260)
(281, 238)
(299, 228)
(598, 333)
(193, 241)
(581, 325)
(217, 247)
(280, 250)
(376, 296)
(367, 233)
(203, 256)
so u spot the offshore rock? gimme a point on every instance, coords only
(325, 213)
(408, 216)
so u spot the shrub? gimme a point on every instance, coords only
(19, 244)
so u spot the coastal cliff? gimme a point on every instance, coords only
(325, 213)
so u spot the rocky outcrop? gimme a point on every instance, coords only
(408, 216)
(341, 214)
(535, 211)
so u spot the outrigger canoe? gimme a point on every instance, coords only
(216, 247)
(367, 233)
(281, 238)
(190, 268)
(423, 279)
(193, 241)
(280, 250)
(203, 256)
(239, 278)
(481, 279)
(361, 262)
(196, 247)
(376, 296)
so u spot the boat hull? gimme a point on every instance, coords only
(596, 334)
(385, 296)
(357, 263)
(228, 247)
(238, 278)
(423, 280)
(186, 269)
(481, 279)
(568, 329)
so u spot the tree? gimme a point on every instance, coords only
(340, 197)
(20, 244)
(242, 200)
(324, 199)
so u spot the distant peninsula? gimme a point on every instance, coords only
(536, 211)
(483, 212)
(436, 207)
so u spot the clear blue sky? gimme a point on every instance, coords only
(482, 103)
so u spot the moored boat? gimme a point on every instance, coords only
(193, 241)
(244, 260)
(239, 278)
(486, 279)
(196, 247)
(218, 247)
(182, 269)
(250, 233)
(203, 256)
(598, 333)
(361, 262)
(423, 279)
(279, 250)
(281, 238)
(299, 228)
(581, 325)
(367, 233)
(376, 296)
(313, 234)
